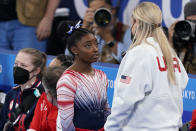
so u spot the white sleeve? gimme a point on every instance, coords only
(65, 99)
(58, 123)
(183, 80)
(137, 67)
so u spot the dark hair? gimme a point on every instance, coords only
(165, 30)
(109, 2)
(189, 9)
(51, 77)
(38, 58)
(76, 36)
(65, 60)
(63, 28)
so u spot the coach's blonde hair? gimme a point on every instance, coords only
(149, 17)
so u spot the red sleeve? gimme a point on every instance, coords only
(36, 121)
(193, 121)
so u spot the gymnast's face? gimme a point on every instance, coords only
(86, 50)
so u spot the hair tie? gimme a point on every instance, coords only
(157, 25)
(72, 28)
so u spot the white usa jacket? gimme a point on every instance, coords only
(144, 100)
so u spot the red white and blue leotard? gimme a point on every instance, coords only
(82, 100)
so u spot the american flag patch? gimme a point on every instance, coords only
(125, 79)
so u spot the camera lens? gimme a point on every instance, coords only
(183, 29)
(102, 17)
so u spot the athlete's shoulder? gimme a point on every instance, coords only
(100, 73)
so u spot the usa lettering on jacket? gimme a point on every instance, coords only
(164, 67)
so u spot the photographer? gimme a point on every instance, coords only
(114, 38)
(182, 35)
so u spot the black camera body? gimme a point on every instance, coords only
(102, 17)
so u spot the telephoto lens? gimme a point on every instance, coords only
(102, 17)
(185, 29)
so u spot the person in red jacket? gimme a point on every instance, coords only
(193, 121)
(46, 111)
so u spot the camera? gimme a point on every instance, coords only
(184, 34)
(102, 17)
(185, 30)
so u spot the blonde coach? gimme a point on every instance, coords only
(150, 80)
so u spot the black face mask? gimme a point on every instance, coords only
(21, 75)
